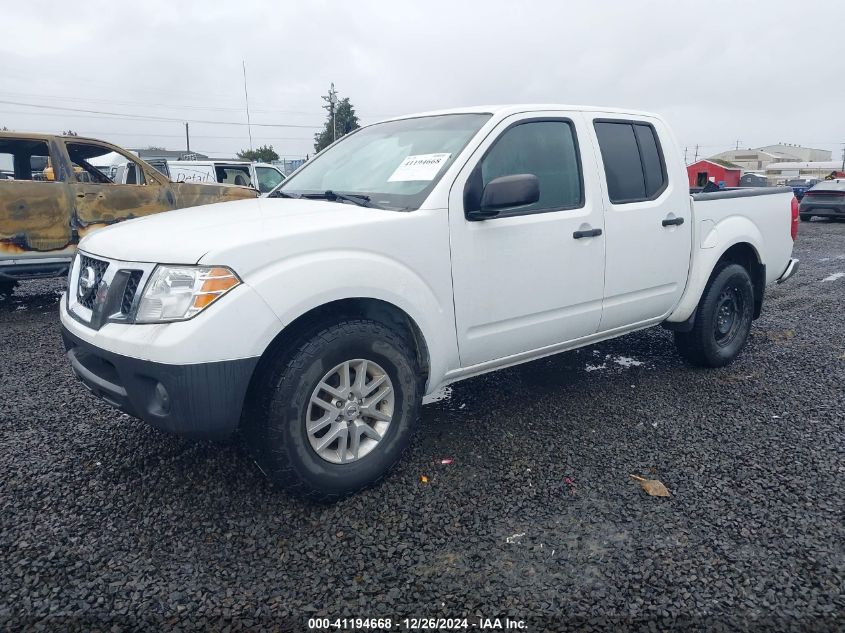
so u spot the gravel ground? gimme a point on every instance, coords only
(106, 521)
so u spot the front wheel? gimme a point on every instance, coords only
(722, 320)
(7, 288)
(338, 410)
(805, 218)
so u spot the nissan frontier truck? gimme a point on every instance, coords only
(408, 255)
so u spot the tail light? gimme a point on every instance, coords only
(793, 229)
(824, 194)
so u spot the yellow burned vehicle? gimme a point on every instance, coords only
(52, 194)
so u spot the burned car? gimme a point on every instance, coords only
(52, 195)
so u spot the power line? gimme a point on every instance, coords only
(100, 118)
(208, 136)
(178, 106)
(26, 95)
(149, 117)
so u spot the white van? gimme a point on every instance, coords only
(261, 176)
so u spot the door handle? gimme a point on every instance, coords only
(586, 233)
(673, 221)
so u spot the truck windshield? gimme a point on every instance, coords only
(396, 163)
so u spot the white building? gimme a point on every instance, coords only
(803, 154)
(757, 159)
(793, 170)
(752, 159)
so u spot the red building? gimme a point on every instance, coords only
(716, 171)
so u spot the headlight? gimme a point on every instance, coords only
(176, 293)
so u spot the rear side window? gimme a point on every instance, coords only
(234, 175)
(633, 161)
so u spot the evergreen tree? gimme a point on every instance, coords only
(344, 121)
(264, 154)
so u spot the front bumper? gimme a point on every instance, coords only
(791, 269)
(201, 400)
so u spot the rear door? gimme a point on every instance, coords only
(533, 276)
(35, 206)
(648, 223)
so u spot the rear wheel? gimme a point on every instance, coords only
(805, 218)
(722, 320)
(337, 411)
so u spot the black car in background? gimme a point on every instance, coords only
(825, 199)
(801, 186)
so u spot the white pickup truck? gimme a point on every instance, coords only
(410, 254)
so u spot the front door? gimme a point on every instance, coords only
(647, 220)
(268, 178)
(533, 276)
(100, 201)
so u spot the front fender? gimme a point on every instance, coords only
(714, 240)
(300, 283)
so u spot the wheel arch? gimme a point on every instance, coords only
(741, 251)
(744, 254)
(335, 311)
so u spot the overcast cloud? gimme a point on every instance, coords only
(721, 72)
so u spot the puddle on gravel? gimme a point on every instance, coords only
(625, 362)
(440, 395)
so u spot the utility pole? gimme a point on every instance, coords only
(737, 145)
(332, 104)
(187, 139)
(695, 160)
(685, 156)
(246, 98)
(843, 157)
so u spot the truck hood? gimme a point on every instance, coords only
(211, 233)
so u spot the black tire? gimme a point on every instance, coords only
(715, 341)
(276, 428)
(7, 288)
(805, 217)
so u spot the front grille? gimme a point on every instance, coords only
(99, 267)
(130, 291)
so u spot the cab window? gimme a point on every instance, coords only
(633, 160)
(548, 150)
(234, 175)
(268, 178)
(98, 164)
(24, 159)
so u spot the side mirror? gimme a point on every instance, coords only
(504, 192)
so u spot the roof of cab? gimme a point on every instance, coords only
(506, 110)
(29, 135)
(40, 136)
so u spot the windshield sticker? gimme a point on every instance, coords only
(419, 167)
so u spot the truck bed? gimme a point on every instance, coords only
(762, 214)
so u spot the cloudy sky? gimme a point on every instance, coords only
(721, 72)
